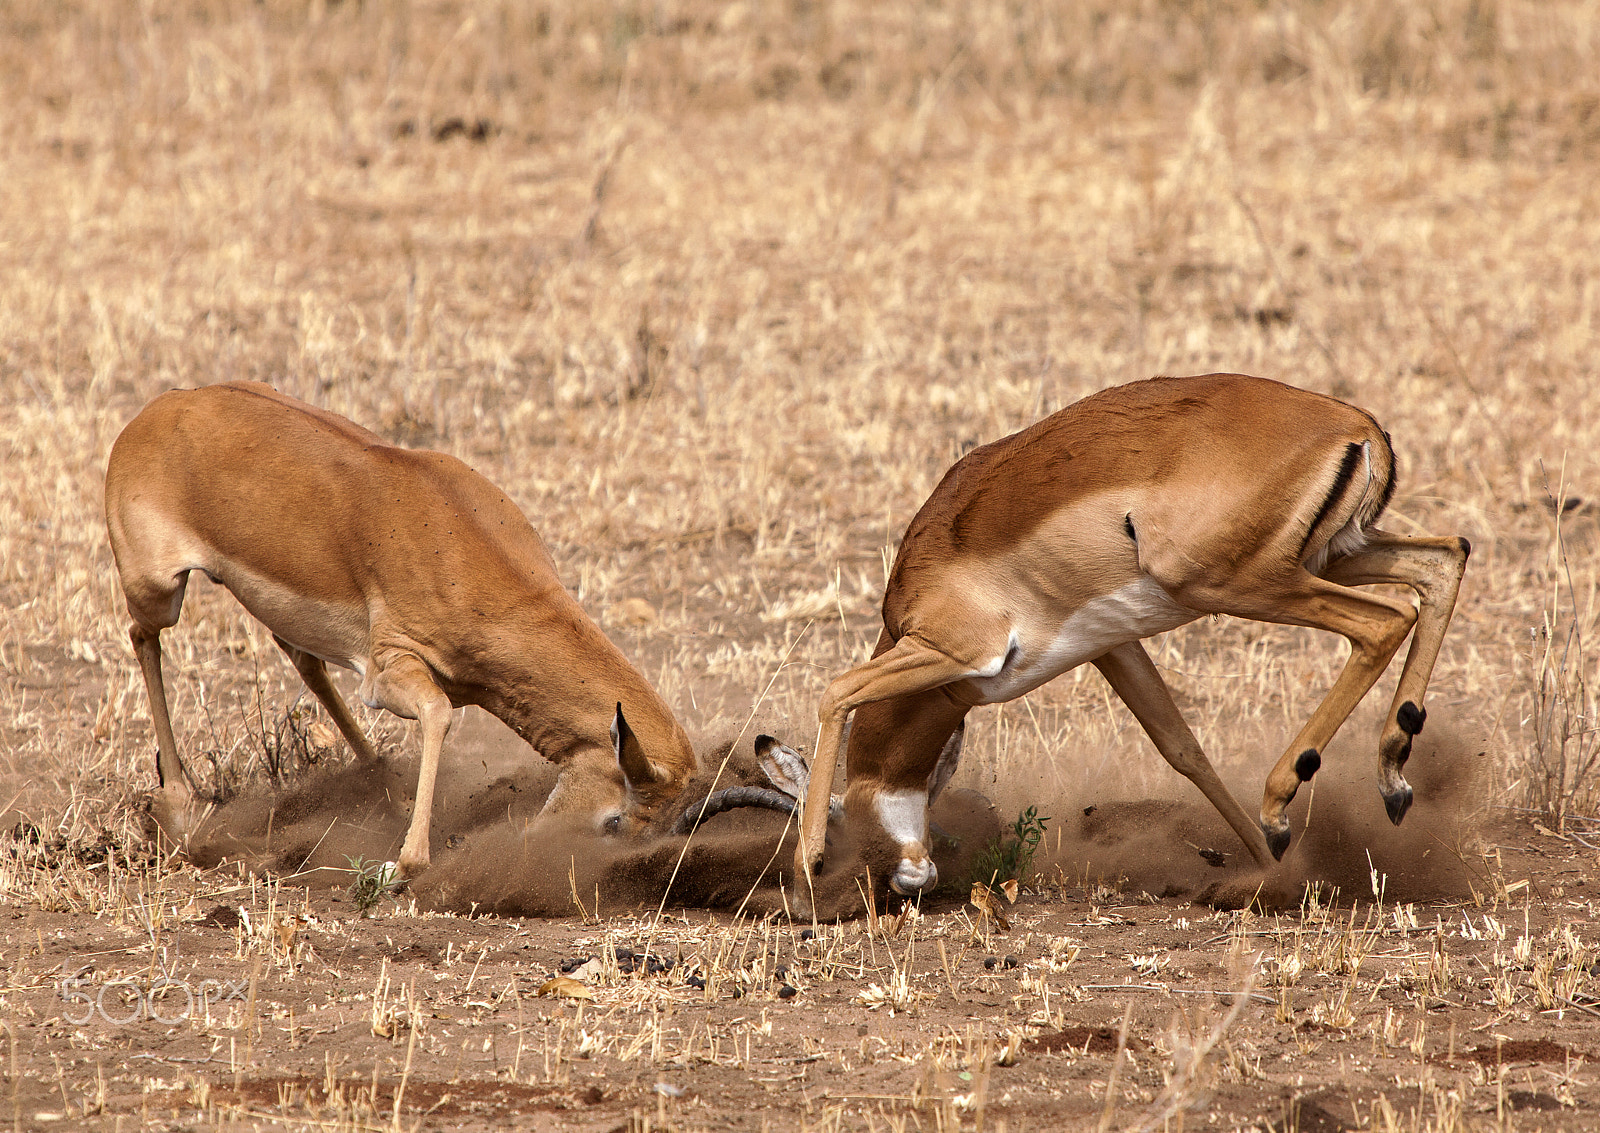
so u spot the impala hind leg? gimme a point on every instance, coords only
(405, 686)
(1433, 568)
(909, 667)
(314, 672)
(170, 771)
(154, 596)
(1134, 678)
(1375, 626)
(173, 804)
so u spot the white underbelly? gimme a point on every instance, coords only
(1136, 611)
(340, 635)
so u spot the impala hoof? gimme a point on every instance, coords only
(174, 813)
(1397, 802)
(1277, 839)
(913, 878)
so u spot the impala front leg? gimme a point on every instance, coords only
(405, 686)
(1134, 678)
(314, 672)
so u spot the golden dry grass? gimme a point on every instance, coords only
(718, 291)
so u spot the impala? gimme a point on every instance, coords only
(405, 566)
(1132, 512)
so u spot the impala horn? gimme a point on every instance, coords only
(731, 799)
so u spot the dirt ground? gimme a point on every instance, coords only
(201, 1003)
(716, 292)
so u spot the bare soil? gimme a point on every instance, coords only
(1354, 1014)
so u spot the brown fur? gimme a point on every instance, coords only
(1133, 511)
(404, 565)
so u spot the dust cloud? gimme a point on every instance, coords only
(1181, 848)
(493, 853)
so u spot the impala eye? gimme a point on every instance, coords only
(611, 824)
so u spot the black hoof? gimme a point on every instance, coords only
(1411, 718)
(1397, 804)
(1307, 765)
(1277, 840)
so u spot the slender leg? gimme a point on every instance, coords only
(173, 804)
(170, 772)
(911, 666)
(1374, 625)
(314, 671)
(1134, 678)
(405, 687)
(1433, 568)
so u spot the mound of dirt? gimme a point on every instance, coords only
(1080, 1040)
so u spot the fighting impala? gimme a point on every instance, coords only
(405, 566)
(1134, 511)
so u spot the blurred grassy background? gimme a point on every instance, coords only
(717, 291)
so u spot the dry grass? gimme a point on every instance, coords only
(718, 291)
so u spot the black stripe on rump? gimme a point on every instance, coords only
(1388, 487)
(1336, 491)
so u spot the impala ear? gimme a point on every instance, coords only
(636, 766)
(949, 756)
(786, 768)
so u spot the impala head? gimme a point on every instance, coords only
(620, 791)
(891, 823)
(894, 815)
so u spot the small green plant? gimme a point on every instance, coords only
(373, 882)
(1010, 856)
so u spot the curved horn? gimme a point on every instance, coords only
(732, 799)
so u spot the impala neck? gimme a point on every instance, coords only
(558, 684)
